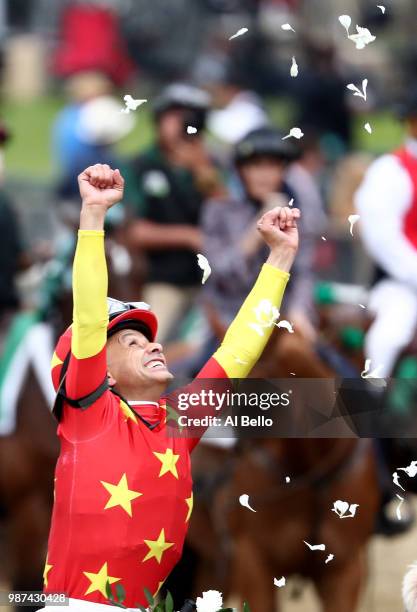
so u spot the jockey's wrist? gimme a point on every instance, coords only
(281, 258)
(92, 217)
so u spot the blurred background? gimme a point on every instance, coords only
(196, 121)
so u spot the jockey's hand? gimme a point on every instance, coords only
(100, 187)
(278, 227)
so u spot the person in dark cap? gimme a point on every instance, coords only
(165, 189)
(231, 240)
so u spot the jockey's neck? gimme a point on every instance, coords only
(151, 392)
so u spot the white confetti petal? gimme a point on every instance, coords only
(381, 7)
(357, 91)
(373, 376)
(287, 27)
(315, 546)
(346, 22)
(131, 104)
(259, 330)
(191, 129)
(280, 583)
(329, 558)
(295, 132)
(368, 128)
(396, 481)
(239, 33)
(362, 305)
(362, 38)
(285, 325)
(293, 373)
(291, 202)
(342, 507)
(287, 479)
(323, 238)
(211, 601)
(352, 219)
(398, 509)
(294, 68)
(205, 266)
(244, 501)
(410, 470)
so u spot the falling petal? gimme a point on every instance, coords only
(398, 510)
(410, 470)
(295, 132)
(381, 7)
(323, 238)
(191, 129)
(291, 202)
(131, 104)
(239, 33)
(362, 305)
(294, 68)
(340, 507)
(362, 38)
(287, 27)
(205, 266)
(357, 91)
(257, 328)
(293, 373)
(244, 501)
(366, 369)
(280, 583)
(315, 546)
(287, 479)
(329, 558)
(346, 22)
(396, 481)
(352, 220)
(285, 325)
(368, 128)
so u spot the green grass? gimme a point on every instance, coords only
(29, 155)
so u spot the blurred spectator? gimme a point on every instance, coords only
(237, 110)
(11, 251)
(84, 133)
(322, 98)
(232, 243)
(165, 188)
(90, 39)
(387, 204)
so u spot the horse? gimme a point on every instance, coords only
(29, 453)
(242, 551)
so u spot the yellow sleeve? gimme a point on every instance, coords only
(243, 344)
(90, 315)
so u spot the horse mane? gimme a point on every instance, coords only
(410, 589)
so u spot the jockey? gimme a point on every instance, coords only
(387, 204)
(123, 488)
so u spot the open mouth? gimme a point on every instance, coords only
(155, 364)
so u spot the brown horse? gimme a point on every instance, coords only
(243, 551)
(28, 455)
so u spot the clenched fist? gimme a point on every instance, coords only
(100, 186)
(278, 228)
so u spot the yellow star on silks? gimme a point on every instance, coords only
(158, 589)
(168, 460)
(120, 495)
(128, 412)
(55, 361)
(46, 571)
(189, 501)
(157, 547)
(98, 581)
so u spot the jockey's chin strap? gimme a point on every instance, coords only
(87, 400)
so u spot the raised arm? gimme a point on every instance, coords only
(100, 188)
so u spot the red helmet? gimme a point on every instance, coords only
(122, 315)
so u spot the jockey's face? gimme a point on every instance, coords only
(135, 365)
